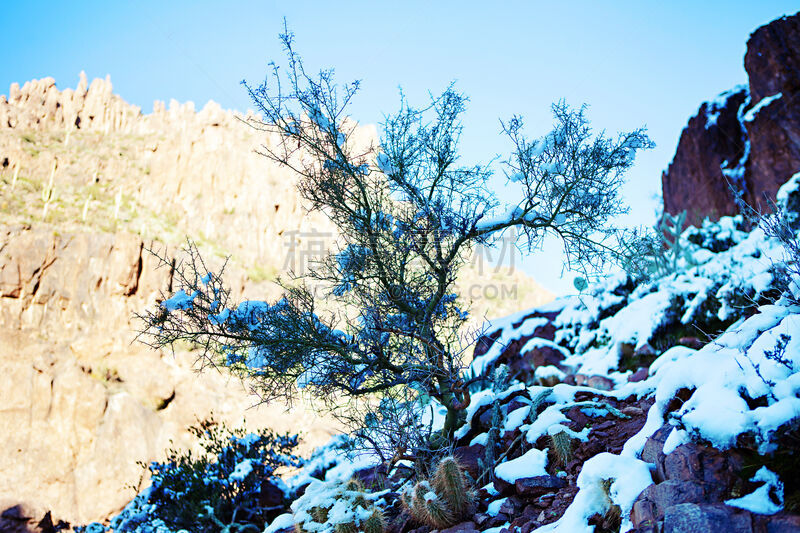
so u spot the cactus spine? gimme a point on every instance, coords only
(443, 501)
(562, 446)
(375, 523)
(431, 508)
(449, 481)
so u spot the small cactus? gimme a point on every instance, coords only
(562, 446)
(375, 523)
(319, 514)
(433, 509)
(612, 519)
(449, 481)
(345, 527)
(445, 500)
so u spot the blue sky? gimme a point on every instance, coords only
(634, 62)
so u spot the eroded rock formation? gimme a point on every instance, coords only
(748, 136)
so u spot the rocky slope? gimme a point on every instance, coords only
(663, 406)
(86, 183)
(670, 405)
(748, 136)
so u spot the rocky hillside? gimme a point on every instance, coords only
(748, 136)
(663, 406)
(667, 405)
(87, 182)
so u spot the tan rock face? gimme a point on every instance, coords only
(171, 173)
(81, 404)
(86, 183)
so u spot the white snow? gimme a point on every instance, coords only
(482, 439)
(549, 417)
(539, 342)
(220, 318)
(532, 463)
(630, 477)
(489, 488)
(283, 521)
(791, 186)
(479, 364)
(180, 300)
(481, 398)
(548, 371)
(759, 501)
(753, 111)
(385, 164)
(510, 212)
(515, 418)
(495, 506)
(241, 471)
(714, 107)
(249, 312)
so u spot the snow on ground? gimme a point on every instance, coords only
(744, 381)
(766, 499)
(627, 479)
(529, 464)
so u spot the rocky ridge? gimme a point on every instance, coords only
(748, 136)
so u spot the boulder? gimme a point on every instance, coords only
(469, 456)
(463, 527)
(694, 181)
(531, 487)
(694, 518)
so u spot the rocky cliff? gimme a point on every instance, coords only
(748, 136)
(82, 403)
(86, 183)
(93, 160)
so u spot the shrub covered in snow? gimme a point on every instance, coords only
(337, 507)
(214, 490)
